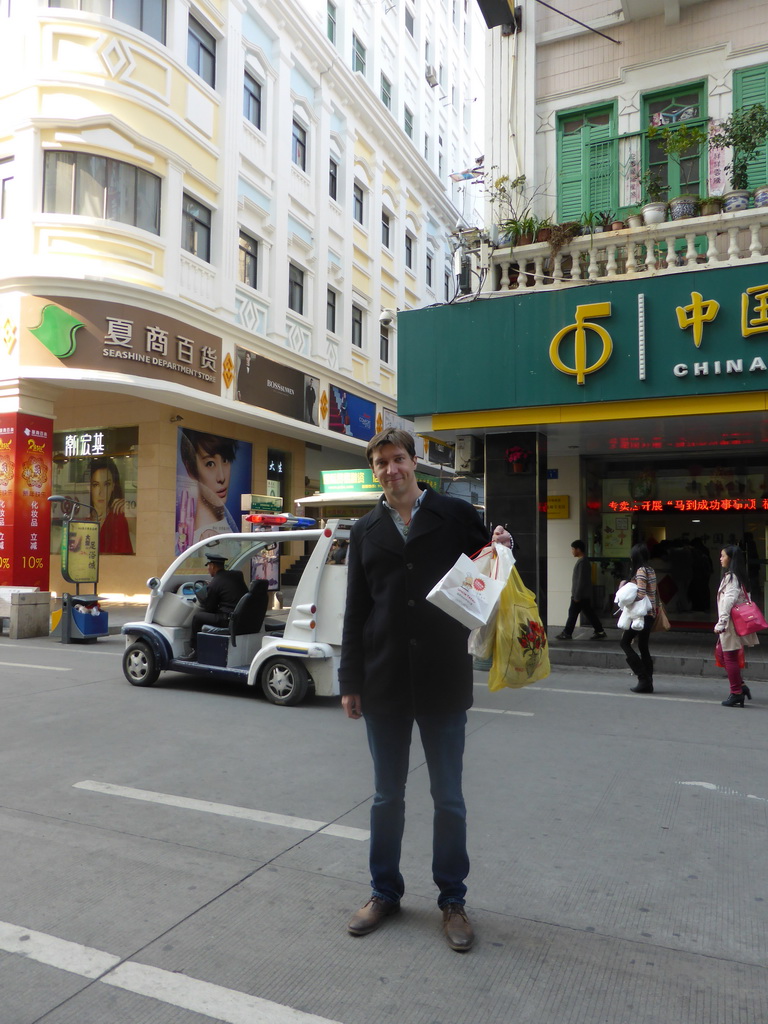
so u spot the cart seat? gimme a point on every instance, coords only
(248, 616)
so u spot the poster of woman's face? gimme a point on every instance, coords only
(106, 483)
(211, 474)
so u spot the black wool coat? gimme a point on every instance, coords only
(399, 652)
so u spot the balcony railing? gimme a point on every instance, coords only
(674, 247)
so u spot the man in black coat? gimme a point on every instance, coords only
(221, 597)
(403, 661)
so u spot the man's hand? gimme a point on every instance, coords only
(501, 536)
(352, 705)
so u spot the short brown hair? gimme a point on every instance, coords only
(399, 438)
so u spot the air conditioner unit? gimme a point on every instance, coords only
(431, 75)
(468, 453)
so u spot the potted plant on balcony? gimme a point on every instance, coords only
(744, 132)
(634, 217)
(711, 205)
(655, 205)
(682, 142)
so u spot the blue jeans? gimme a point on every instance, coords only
(442, 736)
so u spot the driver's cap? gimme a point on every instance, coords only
(216, 559)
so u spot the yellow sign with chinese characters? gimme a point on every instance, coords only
(558, 506)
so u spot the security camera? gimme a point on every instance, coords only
(386, 317)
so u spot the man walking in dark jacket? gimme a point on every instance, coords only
(404, 661)
(581, 596)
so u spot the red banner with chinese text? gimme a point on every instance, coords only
(26, 452)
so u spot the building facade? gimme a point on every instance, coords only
(616, 377)
(210, 215)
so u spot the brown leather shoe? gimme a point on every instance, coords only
(370, 915)
(458, 930)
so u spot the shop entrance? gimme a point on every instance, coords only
(685, 512)
(685, 552)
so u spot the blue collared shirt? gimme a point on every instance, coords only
(397, 519)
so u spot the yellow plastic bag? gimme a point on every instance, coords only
(520, 652)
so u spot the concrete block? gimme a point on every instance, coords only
(30, 614)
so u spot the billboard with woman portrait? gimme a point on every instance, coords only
(211, 474)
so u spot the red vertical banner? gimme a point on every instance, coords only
(26, 456)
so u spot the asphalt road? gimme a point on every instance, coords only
(189, 853)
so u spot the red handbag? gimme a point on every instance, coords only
(720, 661)
(747, 617)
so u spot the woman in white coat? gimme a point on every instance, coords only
(733, 590)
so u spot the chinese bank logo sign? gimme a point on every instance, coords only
(94, 335)
(716, 340)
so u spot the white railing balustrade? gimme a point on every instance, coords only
(726, 239)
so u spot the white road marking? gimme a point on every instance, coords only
(225, 1005)
(726, 790)
(42, 668)
(502, 711)
(631, 696)
(226, 810)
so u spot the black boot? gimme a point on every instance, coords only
(735, 700)
(644, 685)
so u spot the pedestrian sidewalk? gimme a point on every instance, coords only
(674, 653)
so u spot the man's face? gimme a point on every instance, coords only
(575, 552)
(213, 568)
(395, 470)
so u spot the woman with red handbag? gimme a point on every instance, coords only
(733, 591)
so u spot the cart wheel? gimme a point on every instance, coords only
(284, 681)
(140, 664)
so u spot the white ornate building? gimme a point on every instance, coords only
(191, 182)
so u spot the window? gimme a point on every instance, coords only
(668, 109)
(384, 344)
(357, 326)
(426, 146)
(408, 122)
(299, 146)
(97, 186)
(146, 15)
(385, 232)
(409, 250)
(358, 55)
(6, 187)
(357, 203)
(296, 288)
(330, 312)
(428, 270)
(447, 284)
(248, 257)
(331, 29)
(386, 92)
(333, 179)
(201, 51)
(196, 228)
(586, 176)
(252, 100)
(408, 20)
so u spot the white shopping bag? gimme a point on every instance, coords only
(467, 594)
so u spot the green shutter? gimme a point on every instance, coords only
(587, 175)
(569, 185)
(750, 86)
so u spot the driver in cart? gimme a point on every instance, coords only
(218, 601)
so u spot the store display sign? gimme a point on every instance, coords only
(681, 335)
(212, 473)
(357, 481)
(268, 503)
(278, 388)
(351, 415)
(80, 552)
(99, 467)
(693, 505)
(110, 336)
(26, 449)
